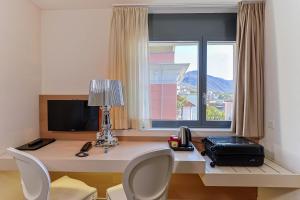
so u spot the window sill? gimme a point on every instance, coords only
(192, 129)
(155, 132)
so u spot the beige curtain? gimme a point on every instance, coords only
(128, 63)
(249, 98)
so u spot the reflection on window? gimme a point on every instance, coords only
(220, 84)
(174, 80)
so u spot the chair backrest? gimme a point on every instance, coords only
(147, 176)
(34, 175)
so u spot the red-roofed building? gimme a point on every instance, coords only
(164, 77)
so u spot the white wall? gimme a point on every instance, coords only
(75, 43)
(74, 49)
(20, 71)
(282, 72)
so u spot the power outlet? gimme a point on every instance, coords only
(271, 124)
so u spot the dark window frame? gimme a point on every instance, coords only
(208, 34)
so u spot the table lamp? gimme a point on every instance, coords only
(105, 94)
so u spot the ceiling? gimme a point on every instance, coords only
(98, 4)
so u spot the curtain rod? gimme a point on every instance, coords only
(189, 5)
(179, 5)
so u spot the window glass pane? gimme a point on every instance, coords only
(220, 84)
(174, 80)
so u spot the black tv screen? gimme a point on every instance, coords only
(72, 115)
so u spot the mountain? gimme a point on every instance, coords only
(214, 84)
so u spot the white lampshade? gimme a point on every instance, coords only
(106, 93)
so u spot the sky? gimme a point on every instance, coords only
(219, 58)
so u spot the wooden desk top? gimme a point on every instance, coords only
(60, 156)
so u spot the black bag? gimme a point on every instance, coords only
(233, 151)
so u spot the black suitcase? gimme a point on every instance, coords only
(233, 151)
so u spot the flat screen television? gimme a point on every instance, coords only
(72, 115)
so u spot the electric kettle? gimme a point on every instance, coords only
(185, 136)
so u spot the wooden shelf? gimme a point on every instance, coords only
(268, 175)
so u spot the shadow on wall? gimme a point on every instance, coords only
(282, 93)
(272, 140)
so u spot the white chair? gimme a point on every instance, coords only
(145, 178)
(36, 183)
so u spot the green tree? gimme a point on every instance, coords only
(213, 114)
(181, 101)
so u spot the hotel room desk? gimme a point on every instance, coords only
(60, 156)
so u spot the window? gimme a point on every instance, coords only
(173, 96)
(219, 81)
(191, 59)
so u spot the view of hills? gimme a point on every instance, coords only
(214, 84)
